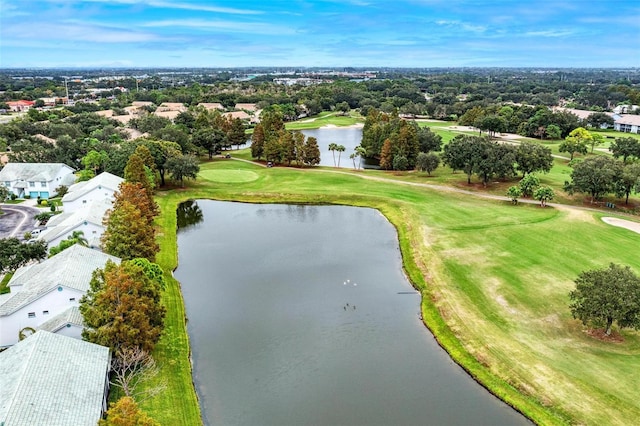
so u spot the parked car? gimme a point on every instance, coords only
(269, 164)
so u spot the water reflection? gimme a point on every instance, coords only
(189, 214)
(349, 137)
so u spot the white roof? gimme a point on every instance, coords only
(32, 172)
(70, 316)
(65, 223)
(50, 379)
(104, 179)
(70, 268)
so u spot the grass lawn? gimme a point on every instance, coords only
(4, 284)
(494, 280)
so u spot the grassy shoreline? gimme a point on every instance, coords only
(476, 327)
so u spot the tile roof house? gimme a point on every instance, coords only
(247, 107)
(44, 290)
(50, 379)
(211, 105)
(100, 187)
(172, 106)
(21, 105)
(36, 179)
(87, 219)
(170, 114)
(237, 114)
(628, 123)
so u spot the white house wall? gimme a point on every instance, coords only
(93, 195)
(55, 302)
(90, 231)
(70, 330)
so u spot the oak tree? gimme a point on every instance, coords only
(608, 295)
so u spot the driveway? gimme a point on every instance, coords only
(16, 219)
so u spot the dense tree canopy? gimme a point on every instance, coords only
(596, 176)
(533, 157)
(122, 308)
(608, 295)
(14, 253)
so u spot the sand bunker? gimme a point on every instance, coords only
(626, 224)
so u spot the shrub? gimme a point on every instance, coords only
(43, 217)
(61, 190)
(400, 162)
(528, 185)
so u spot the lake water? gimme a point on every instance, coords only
(301, 315)
(349, 137)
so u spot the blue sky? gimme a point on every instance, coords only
(359, 33)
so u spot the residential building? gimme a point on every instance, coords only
(247, 107)
(68, 323)
(50, 379)
(87, 219)
(170, 114)
(101, 187)
(172, 106)
(628, 123)
(44, 290)
(18, 106)
(212, 106)
(36, 179)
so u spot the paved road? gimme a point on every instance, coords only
(16, 220)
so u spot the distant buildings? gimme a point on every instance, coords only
(18, 106)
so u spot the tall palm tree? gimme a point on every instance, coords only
(340, 149)
(333, 147)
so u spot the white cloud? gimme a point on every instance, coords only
(220, 25)
(167, 4)
(463, 25)
(75, 32)
(550, 33)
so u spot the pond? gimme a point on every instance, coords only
(302, 315)
(349, 137)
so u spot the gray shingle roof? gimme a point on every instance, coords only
(32, 172)
(104, 179)
(50, 379)
(70, 268)
(70, 316)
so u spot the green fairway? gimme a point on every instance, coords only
(494, 278)
(324, 119)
